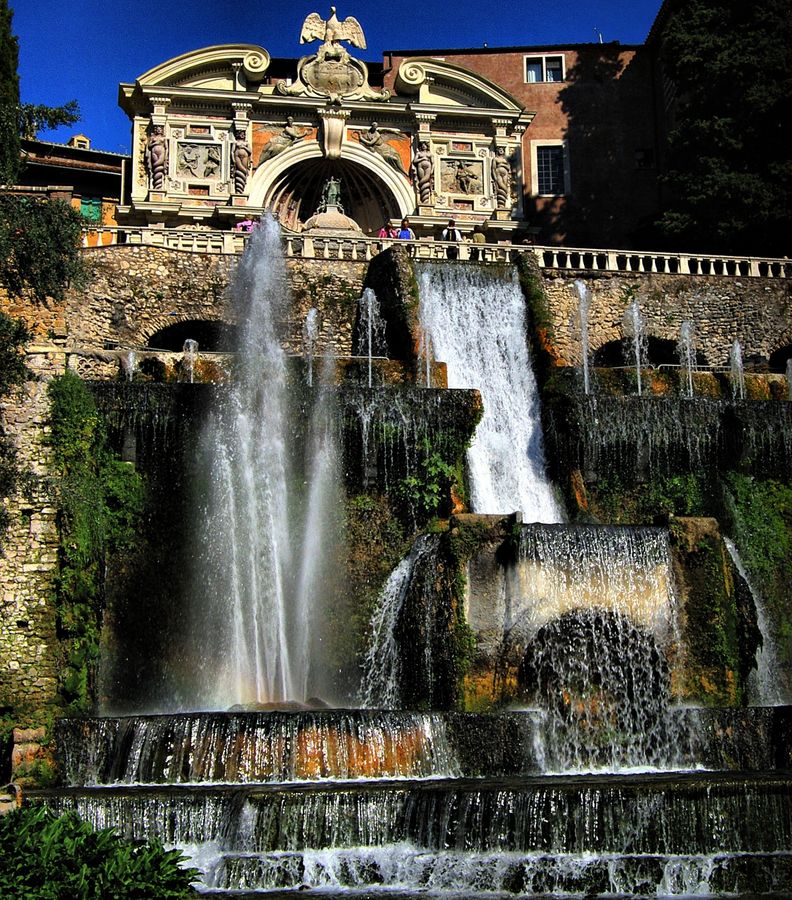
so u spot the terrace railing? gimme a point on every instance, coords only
(363, 248)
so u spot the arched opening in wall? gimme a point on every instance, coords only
(296, 195)
(212, 336)
(659, 352)
(779, 359)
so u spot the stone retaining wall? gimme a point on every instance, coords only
(757, 312)
(29, 648)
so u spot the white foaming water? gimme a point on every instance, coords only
(477, 325)
(382, 668)
(764, 684)
(686, 348)
(256, 596)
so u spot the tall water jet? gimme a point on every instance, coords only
(476, 321)
(584, 300)
(254, 626)
(371, 329)
(789, 378)
(634, 331)
(736, 371)
(129, 364)
(189, 357)
(310, 337)
(686, 348)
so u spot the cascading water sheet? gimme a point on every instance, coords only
(260, 567)
(477, 324)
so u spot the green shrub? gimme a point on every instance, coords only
(43, 856)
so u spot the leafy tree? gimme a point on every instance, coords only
(20, 119)
(9, 97)
(39, 245)
(729, 167)
(44, 857)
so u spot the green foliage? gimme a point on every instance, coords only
(729, 166)
(426, 488)
(44, 857)
(100, 501)
(9, 97)
(617, 502)
(20, 119)
(39, 246)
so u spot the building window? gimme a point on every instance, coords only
(550, 170)
(91, 208)
(544, 68)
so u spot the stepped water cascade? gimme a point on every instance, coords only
(636, 337)
(592, 783)
(259, 585)
(584, 301)
(686, 348)
(477, 324)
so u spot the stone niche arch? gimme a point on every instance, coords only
(371, 190)
(212, 335)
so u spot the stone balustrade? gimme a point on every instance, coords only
(364, 248)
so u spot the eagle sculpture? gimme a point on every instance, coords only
(332, 31)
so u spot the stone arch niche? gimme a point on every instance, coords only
(371, 191)
(212, 335)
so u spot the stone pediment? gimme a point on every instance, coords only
(441, 84)
(211, 68)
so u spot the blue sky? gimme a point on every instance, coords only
(82, 50)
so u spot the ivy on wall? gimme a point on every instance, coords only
(100, 501)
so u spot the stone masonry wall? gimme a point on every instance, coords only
(755, 311)
(29, 659)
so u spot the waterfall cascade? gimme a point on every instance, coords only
(388, 802)
(477, 324)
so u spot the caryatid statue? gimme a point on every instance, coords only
(501, 173)
(242, 158)
(157, 157)
(422, 171)
(332, 32)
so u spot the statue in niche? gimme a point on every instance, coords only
(501, 173)
(332, 32)
(242, 159)
(467, 181)
(331, 194)
(422, 171)
(290, 134)
(157, 157)
(375, 142)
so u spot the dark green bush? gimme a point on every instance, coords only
(44, 857)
